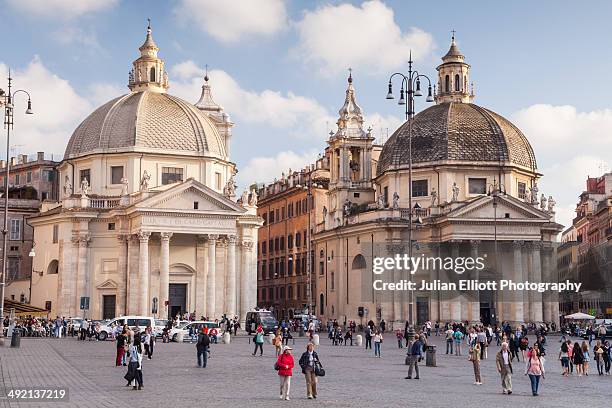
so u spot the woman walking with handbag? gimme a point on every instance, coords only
(285, 364)
(309, 361)
(134, 372)
(378, 339)
(534, 368)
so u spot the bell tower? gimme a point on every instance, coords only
(454, 77)
(148, 73)
(349, 151)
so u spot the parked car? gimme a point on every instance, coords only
(141, 322)
(265, 318)
(160, 324)
(195, 327)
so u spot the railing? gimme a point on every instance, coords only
(104, 202)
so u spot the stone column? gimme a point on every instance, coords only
(133, 292)
(245, 285)
(535, 310)
(230, 294)
(474, 296)
(551, 299)
(517, 315)
(200, 302)
(457, 298)
(164, 272)
(122, 274)
(82, 283)
(211, 276)
(143, 272)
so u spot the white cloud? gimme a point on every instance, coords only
(335, 37)
(569, 146)
(383, 126)
(100, 93)
(302, 117)
(230, 21)
(266, 169)
(57, 107)
(62, 9)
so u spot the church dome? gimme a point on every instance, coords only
(452, 132)
(147, 121)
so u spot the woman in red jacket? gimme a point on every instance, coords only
(285, 370)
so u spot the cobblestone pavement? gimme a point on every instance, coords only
(234, 378)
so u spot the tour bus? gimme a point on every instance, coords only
(262, 317)
(142, 322)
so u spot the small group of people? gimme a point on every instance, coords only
(311, 368)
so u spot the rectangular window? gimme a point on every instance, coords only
(15, 230)
(55, 234)
(477, 185)
(419, 188)
(47, 175)
(522, 190)
(84, 174)
(218, 181)
(196, 205)
(386, 195)
(116, 174)
(16, 179)
(171, 175)
(277, 215)
(12, 269)
(29, 177)
(264, 247)
(271, 217)
(111, 226)
(265, 218)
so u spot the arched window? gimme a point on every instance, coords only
(447, 84)
(152, 79)
(321, 304)
(359, 262)
(53, 267)
(321, 254)
(457, 83)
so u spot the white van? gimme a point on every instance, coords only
(141, 322)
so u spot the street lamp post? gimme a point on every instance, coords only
(309, 201)
(410, 87)
(7, 99)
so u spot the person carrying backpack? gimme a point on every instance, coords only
(202, 348)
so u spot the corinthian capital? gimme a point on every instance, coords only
(248, 245)
(231, 239)
(143, 236)
(213, 237)
(165, 236)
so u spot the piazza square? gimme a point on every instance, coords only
(273, 203)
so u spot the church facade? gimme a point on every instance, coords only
(474, 188)
(148, 222)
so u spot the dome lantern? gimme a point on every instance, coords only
(148, 73)
(454, 77)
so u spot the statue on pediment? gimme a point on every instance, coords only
(67, 187)
(144, 181)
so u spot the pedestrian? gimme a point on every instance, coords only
(598, 352)
(309, 362)
(475, 359)
(481, 337)
(258, 339)
(606, 356)
(415, 355)
(564, 358)
(202, 347)
(585, 358)
(284, 364)
(449, 340)
(368, 338)
(400, 337)
(146, 341)
(534, 368)
(570, 355)
(134, 372)
(278, 342)
(504, 368)
(213, 335)
(378, 339)
(578, 358)
(458, 338)
(121, 346)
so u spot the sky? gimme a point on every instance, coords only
(279, 69)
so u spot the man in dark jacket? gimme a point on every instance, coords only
(415, 354)
(308, 362)
(202, 347)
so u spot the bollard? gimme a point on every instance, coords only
(180, 337)
(359, 340)
(16, 338)
(430, 356)
(271, 337)
(226, 338)
(315, 339)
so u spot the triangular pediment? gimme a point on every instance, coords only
(507, 207)
(183, 197)
(108, 284)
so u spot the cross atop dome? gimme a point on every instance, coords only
(206, 101)
(350, 121)
(148, 72)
